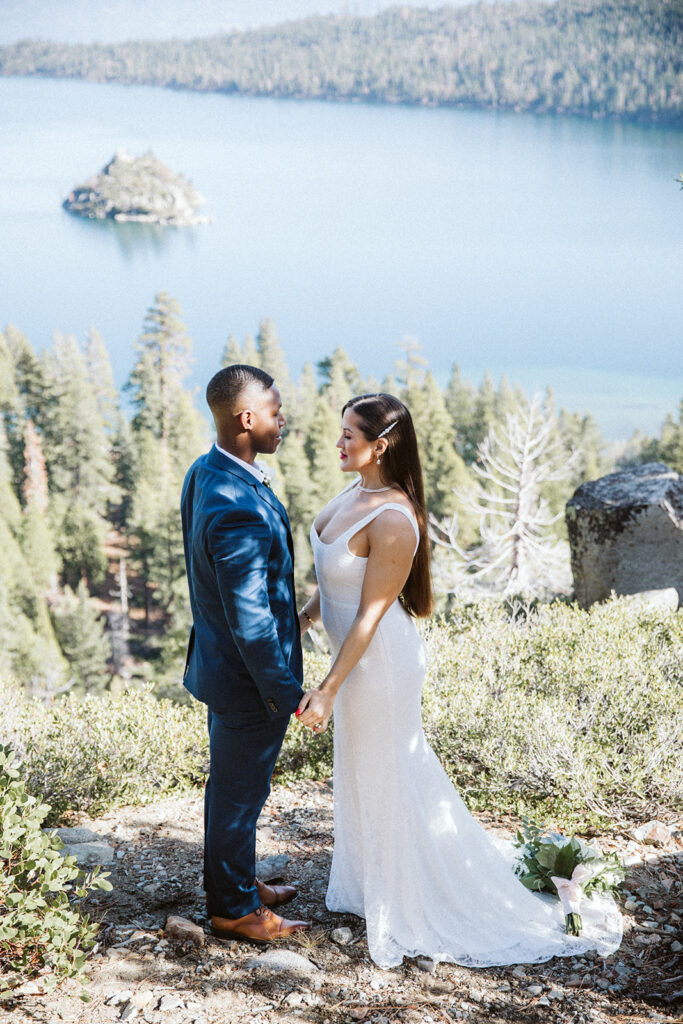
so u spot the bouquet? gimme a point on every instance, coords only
(551, 862)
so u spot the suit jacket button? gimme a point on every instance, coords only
(272, 705)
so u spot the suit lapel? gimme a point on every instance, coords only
(273, 500)
(230, 466)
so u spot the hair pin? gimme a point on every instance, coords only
(386, 430)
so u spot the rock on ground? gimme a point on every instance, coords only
(282, 961)
(626, 535)
(139, 972)
(182, 930)
(89, 848)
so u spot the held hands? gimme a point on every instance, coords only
(315, 709)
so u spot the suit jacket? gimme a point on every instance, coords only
(244, 653)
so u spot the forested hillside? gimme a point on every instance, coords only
(92, 585)
(599, 58)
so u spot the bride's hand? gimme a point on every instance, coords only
(315, 709)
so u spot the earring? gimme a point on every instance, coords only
(378, 460)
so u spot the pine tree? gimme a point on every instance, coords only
(460, 401)
(82, 638)
(168, 435)
(101, 378)
(37, 543)
(250, 353)
(39, 550)
(164, 352)
(341, 379)
(79, 463)
(586, 457)
(371, 386)
(35, 475)
(29, 375)
(444, 470)
(670, 444)
(510, 400)
(10, 403)
(81, 536)
(232, 353)
(303, 560)
(390, 385)
(411, 368)
(326, 477)
(271, 356)
(29, 650)
(485, 414)
(10, 507)
(26, 634)
(300, 412)
(124, 456)
(156, 534)
(188, 437)
(297, 494)
(25, 394)
(76, 443)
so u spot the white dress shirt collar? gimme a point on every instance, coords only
(254, 469)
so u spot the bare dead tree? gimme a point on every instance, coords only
(519, 552)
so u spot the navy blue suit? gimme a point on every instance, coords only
(244, 659)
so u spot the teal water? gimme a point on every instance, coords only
(547, 249)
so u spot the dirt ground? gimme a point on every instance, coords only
(136, 973)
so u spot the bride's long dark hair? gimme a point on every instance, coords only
(401, 466)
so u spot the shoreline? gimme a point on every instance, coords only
(592, 116)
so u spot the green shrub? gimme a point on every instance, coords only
(95, 752)
(571, 716)
(42, 932)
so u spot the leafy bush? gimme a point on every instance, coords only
(562, 712)
(573, 716)
(96, 752)
(41, 930)
(570, 716)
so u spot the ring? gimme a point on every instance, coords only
(317, 725)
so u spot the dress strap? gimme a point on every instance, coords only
(373, 515)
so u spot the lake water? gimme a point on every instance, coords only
(543, 248)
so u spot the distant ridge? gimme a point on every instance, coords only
(596, 58)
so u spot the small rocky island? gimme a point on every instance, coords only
(137, 189)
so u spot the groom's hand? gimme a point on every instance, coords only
(315, 709)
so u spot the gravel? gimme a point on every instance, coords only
(325, 974)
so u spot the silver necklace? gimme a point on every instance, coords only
(372, 490)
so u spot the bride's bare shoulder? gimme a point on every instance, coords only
(399, 497)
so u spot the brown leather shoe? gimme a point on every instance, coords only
(261, 926)
(274, 895)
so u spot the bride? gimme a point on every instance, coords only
(408, 856)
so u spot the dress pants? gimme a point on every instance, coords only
(243, 750)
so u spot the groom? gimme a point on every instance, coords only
(244, 657)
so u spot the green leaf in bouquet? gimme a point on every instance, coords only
(567, 859)
(547, 857)
(533, 882)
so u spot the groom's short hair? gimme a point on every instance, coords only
(228, 385)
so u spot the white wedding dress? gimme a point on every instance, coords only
(408, 855)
